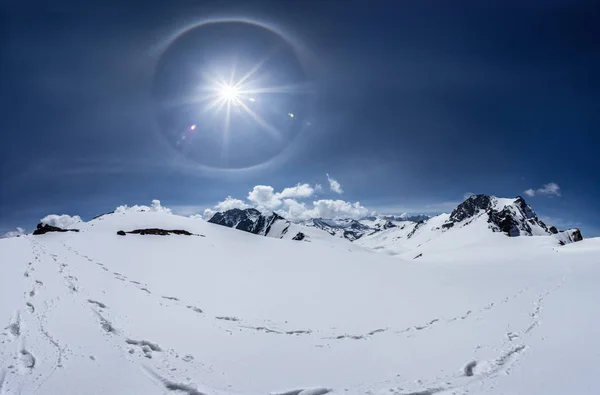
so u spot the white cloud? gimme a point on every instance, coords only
(62, 221)
(334, 185)
(230, 203)
(325, 208)
(299, 191)
(294, 210)
(286, 203)
(264, 198)
(318, 188)
(155, 207)
(196, 216)
(13, 233)
(550, 189)
(338, 209)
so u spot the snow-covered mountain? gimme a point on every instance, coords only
(251, 220)
(513, 217)
(273, 225)
(148, 302)
(480, 219)
(350, 229)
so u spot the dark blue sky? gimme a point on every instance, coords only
(411, 105)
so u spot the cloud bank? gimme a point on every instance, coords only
(551, 189)
(291, 203)
(155, 207)
(62, 221)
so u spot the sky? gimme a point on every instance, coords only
(352, 107)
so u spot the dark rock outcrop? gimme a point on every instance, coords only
(568, 236)
(388, 225)
(45, 228)
(122, 233)
(470, 207)
(412, 232)
(249, 220)
(404, 217)
(505, 222)
(473, 205)
(576, 235)
(350, 229)
(351, 235)
(299, 236)
(158, 232)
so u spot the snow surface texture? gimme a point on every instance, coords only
(234, 313)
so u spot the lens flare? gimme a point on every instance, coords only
(236, 89)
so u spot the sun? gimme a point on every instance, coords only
(229, 93)
(239, 95)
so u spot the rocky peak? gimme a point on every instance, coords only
(249, 220)
(471, 206)
(525, 208)
(514, 217)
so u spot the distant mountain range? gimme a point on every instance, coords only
(273, 225)
(511, 217)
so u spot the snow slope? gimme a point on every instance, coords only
(227, 312)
